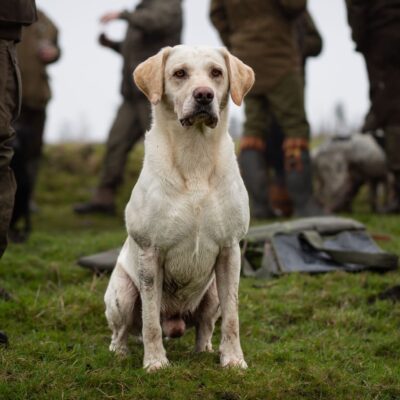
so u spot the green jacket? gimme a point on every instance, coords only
(371, 18)
(14, 14)
(262, 34)
(35, 81)
(154, 24)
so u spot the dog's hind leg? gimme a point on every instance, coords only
(120, 299)
(205, 317)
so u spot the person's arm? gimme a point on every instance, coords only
(220, 21)
(157, 18)
(49, 50)
(357, 18)
(111, 44)
(312, 45)
(293, 8)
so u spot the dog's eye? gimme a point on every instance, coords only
(181, 73)
(216, 73)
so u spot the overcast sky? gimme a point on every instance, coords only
(86, 80)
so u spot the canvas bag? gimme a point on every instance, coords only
(313, 245)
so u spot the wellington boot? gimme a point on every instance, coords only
(254, 172)
(299, 185)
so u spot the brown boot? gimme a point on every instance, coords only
(102, 202)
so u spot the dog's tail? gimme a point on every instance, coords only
(174, 327)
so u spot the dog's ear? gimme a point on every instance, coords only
(241, 77)
(149, 75)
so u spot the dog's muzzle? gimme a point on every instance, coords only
(203, 110)
(207, 118)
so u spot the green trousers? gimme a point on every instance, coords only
(285, 102)
(130, 124)
(10, 98)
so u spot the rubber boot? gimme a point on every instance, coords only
(254, 172)
(103, 202)
(3, 339)
(394, 206)
(392, 143)
(299, 185)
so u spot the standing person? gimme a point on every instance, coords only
(261, 33)
(38, 49)
(152, 25)
(376, 31)
(310, 44)
(13, 15)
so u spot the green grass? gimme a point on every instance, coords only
(304, 337)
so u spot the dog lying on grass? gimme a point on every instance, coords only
(180, 265)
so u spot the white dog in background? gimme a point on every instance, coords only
(180, 265)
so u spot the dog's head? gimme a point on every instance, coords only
(195, 81)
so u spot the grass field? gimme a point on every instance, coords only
(304, 337)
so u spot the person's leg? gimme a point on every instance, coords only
(252, 157)
(125, 132)
(9, 108)
(10, 95)
(383, 65)
(31, 123)
(278, 194)
(286, 100)
(144, 114)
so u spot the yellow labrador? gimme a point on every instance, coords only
(180, 264)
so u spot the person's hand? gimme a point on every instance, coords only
(104, 40)
(110, 16)
(48, 53)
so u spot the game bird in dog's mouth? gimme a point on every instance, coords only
(180, 265)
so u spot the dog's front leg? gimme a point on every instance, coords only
(150, 279)
(228, 274)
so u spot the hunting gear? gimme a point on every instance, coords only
(261, 33)
(152, 25)
(312, 245)
(375, 31)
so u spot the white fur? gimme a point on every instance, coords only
(185, 218)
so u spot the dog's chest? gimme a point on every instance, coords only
(200, 219)
(190, 229)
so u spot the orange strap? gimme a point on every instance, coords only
(293, 149)
(252, 142)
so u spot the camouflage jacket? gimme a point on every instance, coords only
(14, 14)
(35, 82)
(369, 18)
(262, 34)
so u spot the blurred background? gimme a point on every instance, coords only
(86, 81)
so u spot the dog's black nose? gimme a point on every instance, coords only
(203, 95)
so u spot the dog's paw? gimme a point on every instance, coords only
(204, 348)
(119, 349)
(233, 362)
(154, 365)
